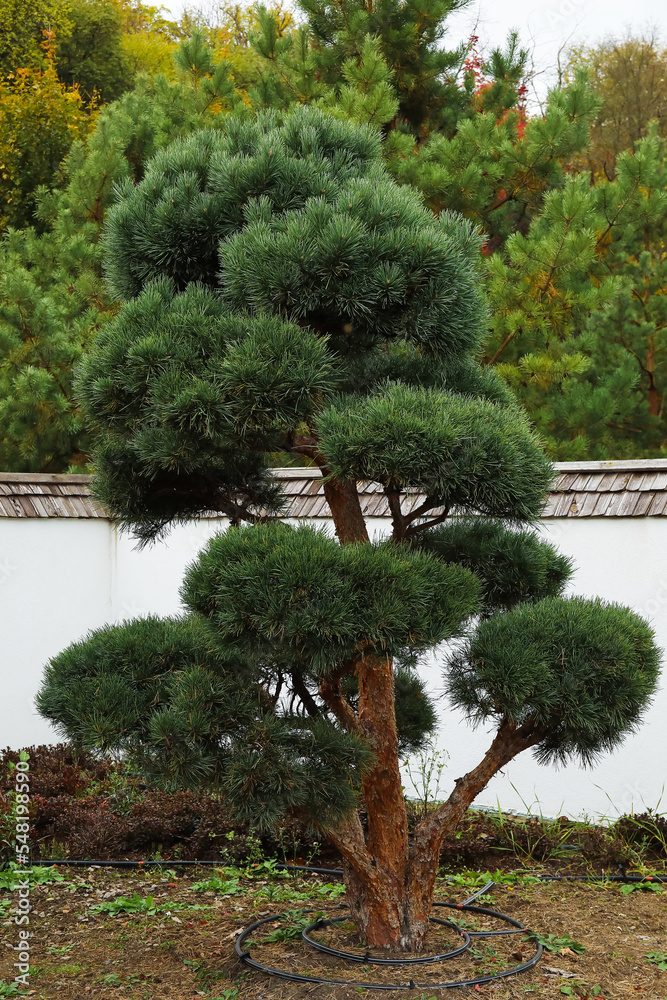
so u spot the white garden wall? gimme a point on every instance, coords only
(61, 577)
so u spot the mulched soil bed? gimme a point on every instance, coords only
(179, 953)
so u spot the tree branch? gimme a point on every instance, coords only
(506, 342)
(509, 740)
(416, 528)
(397, 517)
(304, 694)
(428, 504)
(330, 692)
(349, 840)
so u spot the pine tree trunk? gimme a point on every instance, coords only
(376, 890)
(387, 913)
(390, 884)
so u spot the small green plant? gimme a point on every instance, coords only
(59, 950)
(131, 904)
(474, 880)
(13, 874)
(265, 869)
(658, 958)
(12, 990)
(292, 930)
(278, 894)
(205, 978)
(254, 849)
(67, 969)
(226, 887)
(645, 831)
(330, 890)
(113, 979)
(58, 851)
(629, 887)
(582, 991)
(295, 923)
(140, 904)
(550, 942)
(425, 772)
(121, 789)
(488, 957)
(531, 838)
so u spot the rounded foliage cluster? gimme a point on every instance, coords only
(206, 187)
(580, 671)
(184, 713)
(189, 397)
(513, 566)
(297, 593)
(468, 453)
(114, 681)
(370, 264)
(299, 219)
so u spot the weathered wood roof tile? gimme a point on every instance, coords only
(581, 489)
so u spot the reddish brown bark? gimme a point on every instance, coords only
(509, 741)
(390, 898)
(343, 500)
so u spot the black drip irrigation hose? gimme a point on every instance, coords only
(54, 862)
(367, 959)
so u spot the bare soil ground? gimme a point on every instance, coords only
(185, 947)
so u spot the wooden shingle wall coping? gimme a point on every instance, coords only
(581, 489)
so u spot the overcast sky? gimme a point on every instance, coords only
(544, 27)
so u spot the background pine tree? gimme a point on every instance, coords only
(52, 298)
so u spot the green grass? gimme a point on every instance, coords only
(225, 887)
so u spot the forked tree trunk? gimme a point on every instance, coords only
(391, 910)
(389, 883)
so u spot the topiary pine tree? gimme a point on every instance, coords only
(283, 294)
